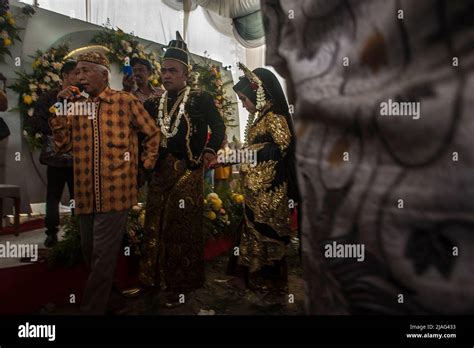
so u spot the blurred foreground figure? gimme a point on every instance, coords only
(384, 123)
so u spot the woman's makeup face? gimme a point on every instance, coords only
(247, 103)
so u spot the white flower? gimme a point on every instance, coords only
(38, 135)
(45, 63)
(32, 87)
(25, 133)
(129, 49)
(34, 96)
(30, 112)
(42, 86)
(135, 55)
(4, 34)
(55, 77)
(47, 79)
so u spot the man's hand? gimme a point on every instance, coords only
(69, 93)
(128, 81)
(210, 160)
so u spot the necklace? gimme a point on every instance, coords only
(164, 118)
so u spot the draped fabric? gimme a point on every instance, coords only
(230, 9)
(246, 19)
(241, 18)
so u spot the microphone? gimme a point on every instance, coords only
(77, 88)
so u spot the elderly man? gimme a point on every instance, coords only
(104, 146)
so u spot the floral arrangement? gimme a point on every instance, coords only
(9, 31)
(122, 45)
(29, 86)
(222, 213)
(208, 78)
(68, 250)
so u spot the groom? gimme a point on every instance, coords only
(173, 257)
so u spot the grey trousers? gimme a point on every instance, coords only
(101, 238)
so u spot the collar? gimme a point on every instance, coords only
(181, 91)
(106, 95)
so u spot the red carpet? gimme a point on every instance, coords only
(25, 289)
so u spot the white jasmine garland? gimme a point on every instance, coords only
(167, 129)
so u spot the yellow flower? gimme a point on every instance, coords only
(7, 42)
(141, 218)
(11, 21)
(216, 204)
(35, 64)
(27, 99)
(52, 109)
(212, 195)
(154, 82)
(205, 201)
(211, 215)
(238, 199)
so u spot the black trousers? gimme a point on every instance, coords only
(57, 177)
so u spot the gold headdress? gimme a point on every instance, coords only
(256, 84)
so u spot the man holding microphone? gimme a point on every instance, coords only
(105, 150)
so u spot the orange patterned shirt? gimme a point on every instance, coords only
(105, 151)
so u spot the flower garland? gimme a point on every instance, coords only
(165, 121)
(122, 45)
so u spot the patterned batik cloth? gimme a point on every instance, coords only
(173, 247)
